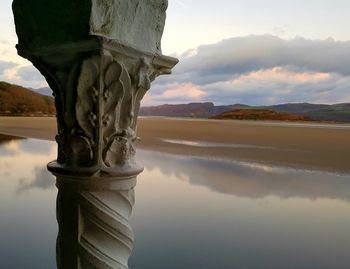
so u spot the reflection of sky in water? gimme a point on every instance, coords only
(189, 213)
(223, 145)
(201, 213)
(27, 223)
(251, 180)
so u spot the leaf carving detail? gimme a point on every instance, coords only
(113, 94)
(105, 107)
(126, 106)
(86, 98)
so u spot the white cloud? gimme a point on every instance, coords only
(26, 76)
(5, 65)
(176, 93)
(181, 3)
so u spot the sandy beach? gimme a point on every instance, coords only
(316, 146)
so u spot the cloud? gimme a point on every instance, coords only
(43, 179)
(179, 93)
(29, 73)
(280, 30)
(261, 70)
(181, 4)
(26, 76)
(4, 42)
(247, 54)
(4, 65)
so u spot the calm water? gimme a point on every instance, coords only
(189, 213)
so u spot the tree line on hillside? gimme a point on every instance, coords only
(17, 100)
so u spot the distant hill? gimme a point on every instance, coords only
(195, 110)
(259, 114)
(16, 100)
(43, 91)
(321, 112)
(337, 112)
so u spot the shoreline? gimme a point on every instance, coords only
(312, 146)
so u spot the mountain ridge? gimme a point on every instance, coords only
(320, 112)
(17, 100)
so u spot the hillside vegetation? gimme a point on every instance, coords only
(259, 114)
(16, 100)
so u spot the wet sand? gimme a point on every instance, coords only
(316, 146)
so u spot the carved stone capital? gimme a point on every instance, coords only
(99, 67)
(97, 99)
(99, 102)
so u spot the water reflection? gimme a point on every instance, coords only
(27, 214)
(43, 179)
(225, 145)
(6, 140)
(24, 161)
(264, 222)
(189, 213)
(249, 179)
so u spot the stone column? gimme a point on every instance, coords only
(99, 58)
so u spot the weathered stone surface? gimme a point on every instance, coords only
(41, 23)
(135, 23)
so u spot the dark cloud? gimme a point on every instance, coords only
(246, 54)
(29, 73)
(4, 65)
(296, 70)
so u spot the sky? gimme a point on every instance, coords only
(253, 52)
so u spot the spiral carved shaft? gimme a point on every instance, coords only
(94, 231)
